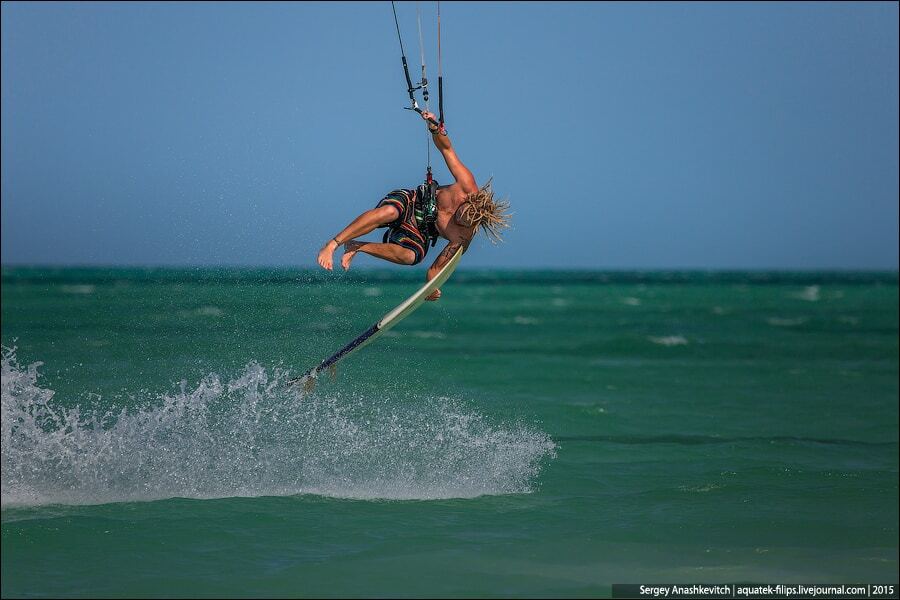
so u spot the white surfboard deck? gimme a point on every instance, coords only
(403, 310)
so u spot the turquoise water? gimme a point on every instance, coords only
(531, 434)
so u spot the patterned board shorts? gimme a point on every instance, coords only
(405, 230)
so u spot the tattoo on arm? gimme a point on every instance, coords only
(443, 258)
(448, 252)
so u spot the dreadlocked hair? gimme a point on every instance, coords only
(481, 210)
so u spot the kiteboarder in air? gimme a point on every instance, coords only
(416, 218)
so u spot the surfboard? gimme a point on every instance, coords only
(403, 310)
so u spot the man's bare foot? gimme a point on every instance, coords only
(326, 254)
(350, 250)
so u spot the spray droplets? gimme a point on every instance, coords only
(253, 436)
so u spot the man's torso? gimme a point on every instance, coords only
(449, 199)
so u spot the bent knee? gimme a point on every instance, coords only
(385, 214)
(405, 255)
(410, 257)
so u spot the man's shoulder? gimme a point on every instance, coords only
(467, 187)
(459, 192)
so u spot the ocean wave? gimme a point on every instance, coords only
(428, 335)
(669, 340)
(811, 293)
(253, 436)
(786, 322)
(79, 289)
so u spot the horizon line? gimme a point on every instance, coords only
(610, 269)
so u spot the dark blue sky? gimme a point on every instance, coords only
(627, 135)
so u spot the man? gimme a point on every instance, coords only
(413, 222)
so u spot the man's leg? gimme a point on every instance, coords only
(391, 252)
(363, 224)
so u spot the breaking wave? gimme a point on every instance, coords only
(253, 436)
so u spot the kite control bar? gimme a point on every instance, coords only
(423, 84)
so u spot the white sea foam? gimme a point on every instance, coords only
(700, 488)
(782, 322)
(253, 436)
(810, 293)
(670, 340)
(428, 335)
(79, 289)
(523, 320)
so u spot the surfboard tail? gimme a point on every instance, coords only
(308, 381)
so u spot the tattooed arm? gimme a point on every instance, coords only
(442, 260)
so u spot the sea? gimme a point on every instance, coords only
(531, 434)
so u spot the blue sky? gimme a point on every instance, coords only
(626, 135)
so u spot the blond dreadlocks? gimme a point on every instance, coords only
(481, 210)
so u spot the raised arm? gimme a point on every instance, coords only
(441, 140)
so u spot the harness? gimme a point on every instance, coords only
(426, 209)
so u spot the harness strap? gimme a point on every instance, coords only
(427, 193)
